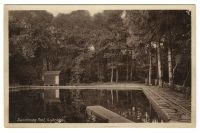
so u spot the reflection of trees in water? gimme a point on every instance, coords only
(130, 104)
(25, 105)
(72, 106)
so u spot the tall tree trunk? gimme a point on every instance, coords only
(98, 70)
(156, 83)
(131, 74)
(127, 73)
(48, 64)
(170, 72)
(134, 70)
(44, 63)
(111, 79)
(185, 81)
(159, 66)
(100, 67)
(131, 71)
(117, 75)
(150, 67)
(44, 67)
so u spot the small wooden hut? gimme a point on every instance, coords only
(51, 78)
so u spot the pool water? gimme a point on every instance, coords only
(69, 106)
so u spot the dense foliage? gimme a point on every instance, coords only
(112, 46)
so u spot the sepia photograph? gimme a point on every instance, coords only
(99, 65)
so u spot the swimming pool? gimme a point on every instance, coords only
(69, 105)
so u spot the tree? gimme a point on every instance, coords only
(114, 45)
(138, 24)
(28, 32)
(159, 65)
(173, 31)
(112, 37)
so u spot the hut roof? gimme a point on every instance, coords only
(52, 73)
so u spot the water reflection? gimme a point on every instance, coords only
(70, 105)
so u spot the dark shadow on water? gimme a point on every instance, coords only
(69, 106)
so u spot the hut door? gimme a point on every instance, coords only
(57, 80)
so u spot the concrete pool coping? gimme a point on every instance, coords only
(107, 115)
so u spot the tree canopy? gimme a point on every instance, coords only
(115, 45)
